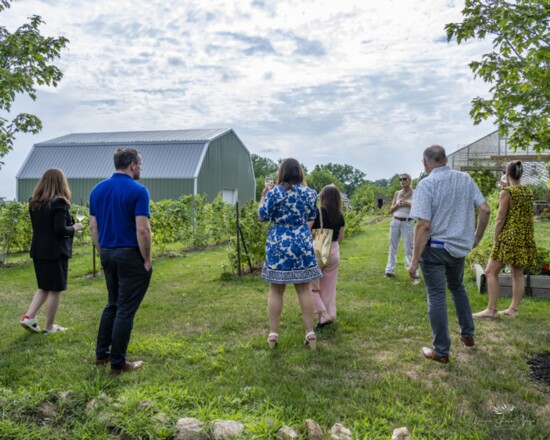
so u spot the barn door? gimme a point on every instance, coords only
(230, 195)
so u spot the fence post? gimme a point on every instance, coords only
(238, 241)
(93, 260)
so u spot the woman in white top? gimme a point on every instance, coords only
(401, 225)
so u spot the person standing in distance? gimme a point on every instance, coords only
(119, 222)
(401, 225)
(444, 204)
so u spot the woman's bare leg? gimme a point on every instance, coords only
(306, 304)
(518, 290)
(38, 300)
(493, 286)
(54, 298)
(275, 305)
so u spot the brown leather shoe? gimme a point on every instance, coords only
(428, 353)
(129, 366)
(468, 342)
(103, 361)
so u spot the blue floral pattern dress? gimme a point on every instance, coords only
(290, 258)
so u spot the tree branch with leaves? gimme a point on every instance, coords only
(518, 67)
(25, 62)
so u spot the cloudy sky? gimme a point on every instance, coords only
(368, 83)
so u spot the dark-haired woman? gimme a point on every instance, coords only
(514, 239)
(324, 290)
(53, 229)
(289, 205)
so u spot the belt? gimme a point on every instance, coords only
(404, 219)
(436, 244)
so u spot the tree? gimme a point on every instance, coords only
(318, 179)
(263, 166)
(518, 67)
(485, 181)
(351, 177)
(25, 61)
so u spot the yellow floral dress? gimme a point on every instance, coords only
(515, 244)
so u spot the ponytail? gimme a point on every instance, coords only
(515, 169)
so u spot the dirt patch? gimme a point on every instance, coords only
(91, 276)
(376, 220)
(540, 367)
(13, 264)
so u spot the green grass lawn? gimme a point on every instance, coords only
(203, 339)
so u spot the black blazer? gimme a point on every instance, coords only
(52, 231)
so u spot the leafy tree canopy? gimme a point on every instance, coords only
(351, 177)
(382, 183)
(263, 166)
(318, 179)
(518, 67)
(485, 180)
(25, 61)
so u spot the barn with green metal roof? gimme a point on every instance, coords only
(175, 163)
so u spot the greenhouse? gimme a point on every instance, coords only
(492, 153)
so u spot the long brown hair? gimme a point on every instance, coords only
(290, 173)
(53, 184)
(331, 200)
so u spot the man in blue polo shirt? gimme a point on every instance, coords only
(119, 222)
(444, 204)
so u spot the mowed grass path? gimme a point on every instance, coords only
(203, 340)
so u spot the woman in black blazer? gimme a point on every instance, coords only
(53, 229)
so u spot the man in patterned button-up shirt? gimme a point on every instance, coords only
(444, 204)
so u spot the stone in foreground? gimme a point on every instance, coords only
(226, 429)
(340, 432)
(313, 430)
(189, 428)
(287, 433)
(401, 434)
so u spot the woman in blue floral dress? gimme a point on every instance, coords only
(290, 259)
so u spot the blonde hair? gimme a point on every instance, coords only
(408, 176)
(53, 184)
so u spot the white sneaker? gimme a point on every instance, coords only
(55, 328)
(416, 281)
(29, 324)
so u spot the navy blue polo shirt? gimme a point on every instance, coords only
(115, 203)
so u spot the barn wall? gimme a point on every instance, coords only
(227, 165)
(159, 189)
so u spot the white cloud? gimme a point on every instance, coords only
(360, 82)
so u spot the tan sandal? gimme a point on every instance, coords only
(510, 312)
(273, 340)
(311, 341)
(486, 314)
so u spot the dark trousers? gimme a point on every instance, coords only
(127, 281)
(441, 269)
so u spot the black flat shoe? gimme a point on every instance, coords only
(320, 325)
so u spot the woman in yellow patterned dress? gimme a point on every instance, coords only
(514, 242)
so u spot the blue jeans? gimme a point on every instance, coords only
(127, 281)
(439, 269)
